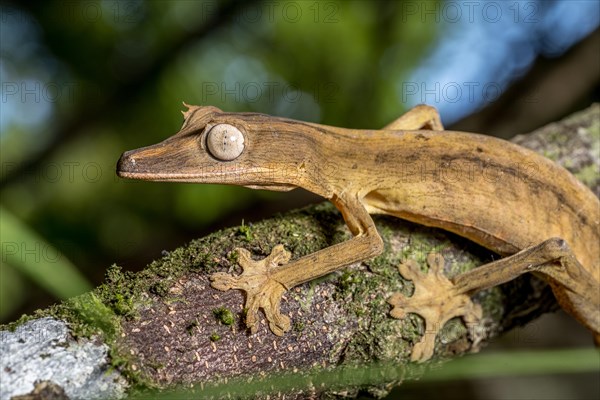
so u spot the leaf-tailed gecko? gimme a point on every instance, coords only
(502, 196)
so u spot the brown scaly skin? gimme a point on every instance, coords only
(500, 195)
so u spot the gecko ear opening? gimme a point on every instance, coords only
(225, 142)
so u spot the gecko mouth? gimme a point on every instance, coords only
(128, 167)
(151, 176)
(131, 167)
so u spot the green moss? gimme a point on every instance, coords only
(122, 304)
(123, 361)
(118, 291)
(588, 175)
(94, 316)
(347, 282)
(11, 326)
(215, 337)
(298, 326)
(306, 300)
(224, 316)
(160, 288)
(233, 257)
(246, 232)
(86, 315)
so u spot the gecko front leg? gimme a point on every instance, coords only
(266, 280)
(262, 290)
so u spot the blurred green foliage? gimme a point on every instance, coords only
(522, 363)
(30, 255)
(84, 81)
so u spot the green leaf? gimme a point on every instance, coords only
(31, 255)
(519, 363)
(12, 290)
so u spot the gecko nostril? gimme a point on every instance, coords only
(126, 163)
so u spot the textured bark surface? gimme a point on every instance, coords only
(166, 326)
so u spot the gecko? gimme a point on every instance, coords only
(532, 212)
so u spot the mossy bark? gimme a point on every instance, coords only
(166, 326)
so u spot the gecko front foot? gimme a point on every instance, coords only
(435, 299)
(262, 291)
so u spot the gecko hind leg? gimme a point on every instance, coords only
(575, 288)
(437, 298)
(418, 117)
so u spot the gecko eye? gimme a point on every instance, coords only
(225, 142)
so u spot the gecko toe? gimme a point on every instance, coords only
(223, 282)
(436, 300)
(262, 291)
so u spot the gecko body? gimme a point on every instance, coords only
(502, 196)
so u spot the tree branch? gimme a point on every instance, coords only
(166, 326)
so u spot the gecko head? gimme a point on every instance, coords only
(212, 146)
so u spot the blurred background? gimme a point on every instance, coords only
(81, 82)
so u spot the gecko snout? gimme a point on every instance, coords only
(126, 164)
(170, 160)
(137, 164)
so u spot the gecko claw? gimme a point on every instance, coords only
(262, 291)
(223, 281)
(435, 299)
